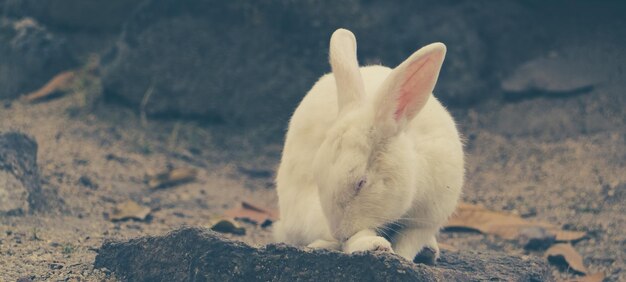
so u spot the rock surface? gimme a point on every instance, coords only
(20, 189)
(569, 72)
(13, 195)
(217, 60)
(92, 15)
(251, 63)
(31, 55)
(193, 254)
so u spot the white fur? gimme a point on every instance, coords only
(377, 124)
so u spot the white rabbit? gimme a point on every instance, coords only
(372, 161)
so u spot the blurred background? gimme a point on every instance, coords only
(112, 93)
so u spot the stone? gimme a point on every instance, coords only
(19, 173)
(13, 195)
(250, 63)
(84, 15)
(558, 74)
(55, 266)
(31, 56)
(213, 61)
(536, 238)
(195, 254)
(460, 82)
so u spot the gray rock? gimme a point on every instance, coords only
(576, 91)
(31, 55)
(462, 80)
(19, 173)
(13, 195)
(194, 254)
(250, 63)
(225, 61)
(556, 75)
(615, 195)
(84, 15)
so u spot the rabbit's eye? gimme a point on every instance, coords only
(359, 185)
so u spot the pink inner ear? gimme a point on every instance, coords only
(421, 76)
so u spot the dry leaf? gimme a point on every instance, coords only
(489, 222)
(568, 236)
(444, 246)
(228, 226)
(60, 82)
(172, 177)
(129, 210)
(596, 277)
(252, 213)
(565, 255)
(505, 225)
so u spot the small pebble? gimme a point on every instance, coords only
(55, 265)
(536, 238)
(87, 182)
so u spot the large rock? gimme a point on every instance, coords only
(230, 61)
(88, 15)
(408, 25)
(251, 62)
(13, 195)
(573, 70)
(193, 254)
(30, 56)
(20, 184)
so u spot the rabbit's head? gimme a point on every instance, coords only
(366, 167)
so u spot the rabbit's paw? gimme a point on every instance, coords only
(325, 244)
(368, 243)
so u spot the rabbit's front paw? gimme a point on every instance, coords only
(368, 243)
(325, 244)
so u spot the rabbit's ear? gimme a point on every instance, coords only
(407, 88)
(345, 68)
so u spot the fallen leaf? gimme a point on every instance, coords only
(596, 277)
(129, 210)
(228, 226)
(60, 82)
(172, 177)
(480, 219)
(444, 246)
(568, 236)
(505, 225)
(252, 213)
(565, 255)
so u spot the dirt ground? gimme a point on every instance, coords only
(558, 160)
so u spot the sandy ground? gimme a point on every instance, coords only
(558, 160)
(107, 148)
